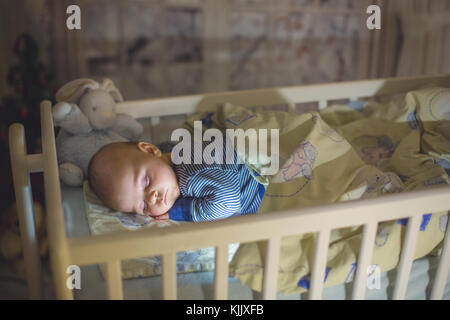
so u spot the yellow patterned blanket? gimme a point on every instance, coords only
(340, 154)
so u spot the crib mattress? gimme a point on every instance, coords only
(200, 285)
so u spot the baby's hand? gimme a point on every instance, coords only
(163, 216)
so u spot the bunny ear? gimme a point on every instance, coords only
(73, 90)
(109, 86)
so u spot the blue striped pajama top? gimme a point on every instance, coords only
(214, 191)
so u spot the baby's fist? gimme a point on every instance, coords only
(163, 216)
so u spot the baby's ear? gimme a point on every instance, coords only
(149, 148)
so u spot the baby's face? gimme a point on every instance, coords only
(145, 182)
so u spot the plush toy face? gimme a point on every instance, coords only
(99, 107)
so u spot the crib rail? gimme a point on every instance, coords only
(112, 248)
(290, 96)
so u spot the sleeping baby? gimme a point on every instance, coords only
(138, 178)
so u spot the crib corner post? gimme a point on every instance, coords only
(59, 252)
(24, 202)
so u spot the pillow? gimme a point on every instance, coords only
(103, 220)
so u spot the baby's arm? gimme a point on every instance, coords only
(215, 195)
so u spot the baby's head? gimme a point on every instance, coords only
(134, 177)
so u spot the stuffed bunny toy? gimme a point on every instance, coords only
(86, 112)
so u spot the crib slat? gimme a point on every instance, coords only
(320, 262)
(155, 128)
(114, 280)
(407, 256)
(364, 260)
(322, 104)
(24, 200)
(291, 107)
(271, 269)
(155, 121)
(221, 273)
(444, 265)
(169, 276)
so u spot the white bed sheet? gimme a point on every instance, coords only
(200, 285)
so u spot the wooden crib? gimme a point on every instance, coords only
(110, 249)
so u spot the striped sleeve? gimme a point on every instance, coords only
(213, 194)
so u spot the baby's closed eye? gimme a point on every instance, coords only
(144, 207)
(145, 182)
